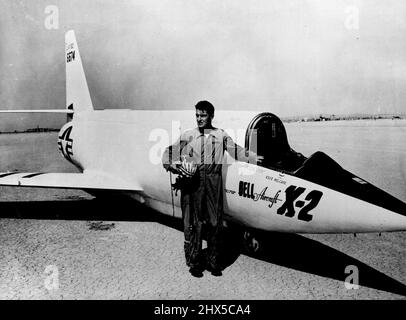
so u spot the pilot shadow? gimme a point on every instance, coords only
(292, 251)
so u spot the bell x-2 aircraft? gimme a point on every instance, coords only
(120, 151)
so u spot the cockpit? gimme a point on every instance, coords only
(266, 136)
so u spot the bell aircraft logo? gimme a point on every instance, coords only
(246, 190)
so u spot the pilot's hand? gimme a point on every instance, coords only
(260, 160)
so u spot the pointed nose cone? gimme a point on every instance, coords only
(341, 213)
(368, 217)
(391, 221)
(370, 209)
(392, 216)
(379, 210)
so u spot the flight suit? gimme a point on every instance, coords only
(202, 195)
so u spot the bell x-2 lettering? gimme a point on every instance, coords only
(287, 209)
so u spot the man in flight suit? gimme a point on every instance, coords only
(197, 157)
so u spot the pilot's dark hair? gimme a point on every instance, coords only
(205, 106)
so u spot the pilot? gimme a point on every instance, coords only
(197, 158)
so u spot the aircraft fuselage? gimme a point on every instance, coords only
(128, 144)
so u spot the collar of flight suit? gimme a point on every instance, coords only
(214, 132)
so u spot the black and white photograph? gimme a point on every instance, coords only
(186, 151)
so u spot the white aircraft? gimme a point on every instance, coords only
(120, 151)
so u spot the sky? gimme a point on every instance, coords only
(290, 57)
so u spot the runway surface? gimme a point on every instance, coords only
(58, 244)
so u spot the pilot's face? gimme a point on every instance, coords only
(203, 119)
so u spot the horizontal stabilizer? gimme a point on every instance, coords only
(65, 111)
(82, 181)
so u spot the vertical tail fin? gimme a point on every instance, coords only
(77, 91)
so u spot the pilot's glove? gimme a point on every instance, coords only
(260, 160)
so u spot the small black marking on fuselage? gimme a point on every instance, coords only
(8, 174)
(33, 175)
(70, 56)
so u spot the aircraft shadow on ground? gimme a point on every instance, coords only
(288, 250)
